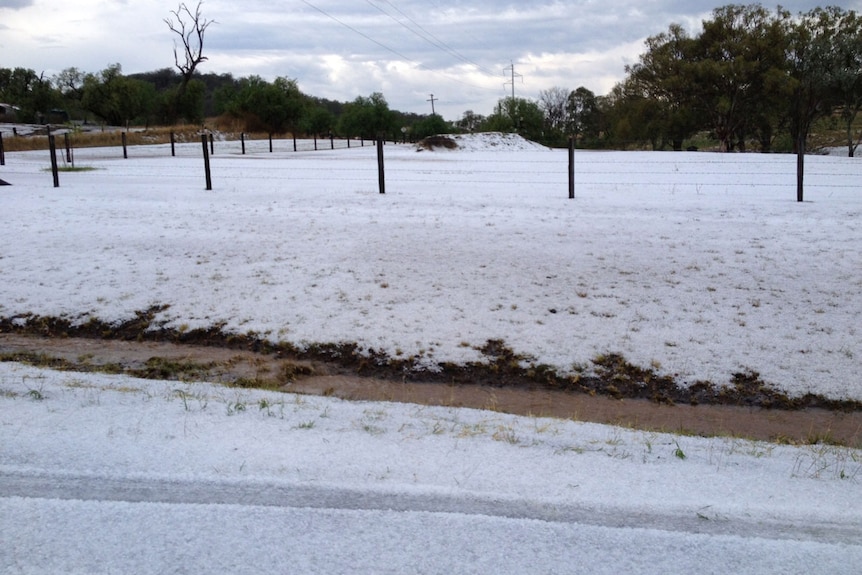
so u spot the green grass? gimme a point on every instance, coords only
(74, 169)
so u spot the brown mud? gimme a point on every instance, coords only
(620, 395)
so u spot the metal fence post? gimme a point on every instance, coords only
(52, 146)
(571, 167)
(381, 179)
(207, 161)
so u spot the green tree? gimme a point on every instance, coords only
(70, 85)
(30, 92)
(431, 126)
(632, 118)
(664, 75)
(583, 116)
(733, 61)
(317, 120)
(470, 121)
(517, 115)
(368, 117)
(113, 97)
(812, 73)
(272, 107)
(187, 104)
(844, 28)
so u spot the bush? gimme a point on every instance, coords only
(431, 126)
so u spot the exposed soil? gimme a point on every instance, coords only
(258, 366)
(432, 142)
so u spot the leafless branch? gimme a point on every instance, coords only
(190, 27)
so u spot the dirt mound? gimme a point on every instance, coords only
(483, 142)
(432, 142)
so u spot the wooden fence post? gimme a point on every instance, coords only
(2, 151)
(212, 144)
(52, 146)
(294, 142)
(242, 139)
(173, 144)
(331, 141)
(571, 167)
(381, 179)
(125, 151)
(207, 161)
(270, 142)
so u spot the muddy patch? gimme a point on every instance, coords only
(272, 369)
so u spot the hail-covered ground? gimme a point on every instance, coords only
(694, 264)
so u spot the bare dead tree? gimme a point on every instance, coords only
(553, 103)
(190, 27)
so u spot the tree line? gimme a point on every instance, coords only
(752, 78)
(164, 97)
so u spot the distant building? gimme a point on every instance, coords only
(8, 112)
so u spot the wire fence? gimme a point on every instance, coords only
(327, 159)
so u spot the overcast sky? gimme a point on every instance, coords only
(458, 50)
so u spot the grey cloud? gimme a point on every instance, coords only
(16, 4)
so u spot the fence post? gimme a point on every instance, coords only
(331, 141)
(571, 167)
(315, 142)
(348, 143)
(294, 142)
(52, 146)
(381, 180)
(125, 151)
(68, 143)
(212, 144)
(2, 151)
(242, 139)
(207, 161)
(270, 142)
(173, 143)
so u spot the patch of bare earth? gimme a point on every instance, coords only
(275, 369)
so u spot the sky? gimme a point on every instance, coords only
(461, 52)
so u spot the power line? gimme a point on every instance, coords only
(428, 36)
(349, 27)
(387, 48)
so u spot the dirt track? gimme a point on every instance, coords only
(232, 366)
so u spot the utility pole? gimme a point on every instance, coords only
(511, 69)
(432, 100)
